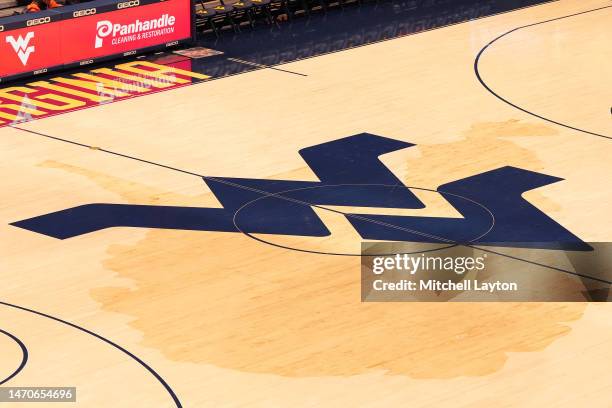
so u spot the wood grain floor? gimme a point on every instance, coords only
(228, 321)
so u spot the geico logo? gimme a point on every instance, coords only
(170, 44)
(127, 4)
(40, 71)
(38, 21)
(86, 62)
(81, 13)
(125, 54)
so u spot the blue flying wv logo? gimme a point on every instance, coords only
(491, 204)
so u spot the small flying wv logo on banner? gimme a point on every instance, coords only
(22, 46)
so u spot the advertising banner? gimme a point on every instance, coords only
(79, 35)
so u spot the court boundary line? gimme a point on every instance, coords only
(277, 195)
(491, 91)
(24, 356)
(262, 66)
(134, 357)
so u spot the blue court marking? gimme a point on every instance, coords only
(357, 219)
(574, 241)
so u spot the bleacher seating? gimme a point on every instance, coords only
(217, 15)
(8, 7)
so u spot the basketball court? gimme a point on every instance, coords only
(116, 283)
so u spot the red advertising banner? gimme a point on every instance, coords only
(124, 30)
(29, 49)
(89, 34)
